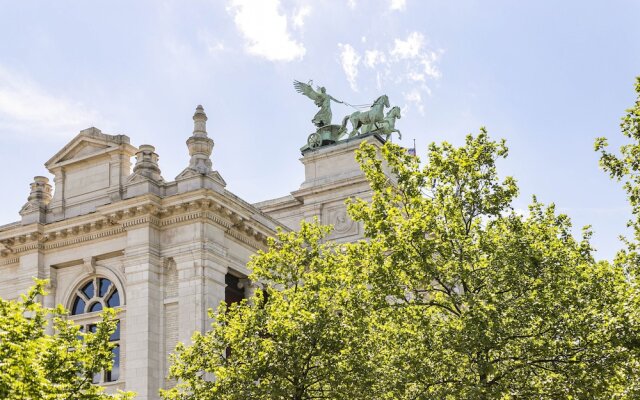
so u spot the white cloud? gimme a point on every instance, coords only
(26, 108)
(422, 61)
(407, 63)
(415, 76)
(415, 97)
(265, 30)
(409, 48)
(428, 63)
(349, 59)
(352, 4)
(300, 15)
(373, 57)
(397, 5)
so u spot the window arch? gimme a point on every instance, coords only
(93, 296)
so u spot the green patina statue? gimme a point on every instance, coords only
(372, 121)
(385, 127)
(322, 100)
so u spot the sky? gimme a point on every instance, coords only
(547, 76)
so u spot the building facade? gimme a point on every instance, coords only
(112, 233)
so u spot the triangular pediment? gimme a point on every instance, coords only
(89, 142)
(83, 149)
(189, 172)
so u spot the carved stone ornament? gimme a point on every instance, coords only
(39, 197)
(199, 144)
(147, 163)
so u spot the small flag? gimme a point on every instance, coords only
(412, 151)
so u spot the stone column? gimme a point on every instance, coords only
(119, 169)
(201, 287)
(144, 304)
(57, 203)
(190, 295)
(49, 300)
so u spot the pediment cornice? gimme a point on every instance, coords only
(87, 144)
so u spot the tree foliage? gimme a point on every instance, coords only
(625, 167)
(298, 338)
(35, 365)
(452, 295)
(488, 304)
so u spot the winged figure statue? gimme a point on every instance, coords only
(321, 98)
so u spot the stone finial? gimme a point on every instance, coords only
(200, 146)
(200, 122)
(147, 163)
(40, 191)
(39, 197)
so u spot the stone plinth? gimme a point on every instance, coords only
(332, 175)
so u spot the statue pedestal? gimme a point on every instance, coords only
(332, 164)
(332, 175)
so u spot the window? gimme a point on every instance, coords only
(92, 297)
(233, 292)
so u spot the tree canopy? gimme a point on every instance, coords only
(625, 167)
(452, 295)
(36, 365)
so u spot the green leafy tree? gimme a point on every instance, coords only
(625, 167)
(298, 338)
(35, 365)
(487, 304)
(452, 296)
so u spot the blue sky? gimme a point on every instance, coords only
(548, 76)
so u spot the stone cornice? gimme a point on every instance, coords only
(115, 219)
(325, 187)
(9, 260)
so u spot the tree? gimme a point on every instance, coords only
(488, 304)
(453, 295)
(625, 167)
(35, 365)
(298, 338)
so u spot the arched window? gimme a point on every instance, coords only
(92, 297)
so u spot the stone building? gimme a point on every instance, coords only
(107, 233)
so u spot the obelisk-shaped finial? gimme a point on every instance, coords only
(200, 146)
(200, 122)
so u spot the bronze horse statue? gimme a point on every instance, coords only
(360, 118)
(385, 127)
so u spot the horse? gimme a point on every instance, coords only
(386, 126)
(359, 118)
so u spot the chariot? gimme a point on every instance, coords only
(327, 134)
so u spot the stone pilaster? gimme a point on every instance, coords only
(201, 287)
(57, 203)
(143, 269)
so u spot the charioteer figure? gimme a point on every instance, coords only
(321, 98)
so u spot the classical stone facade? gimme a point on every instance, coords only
(111, 234)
